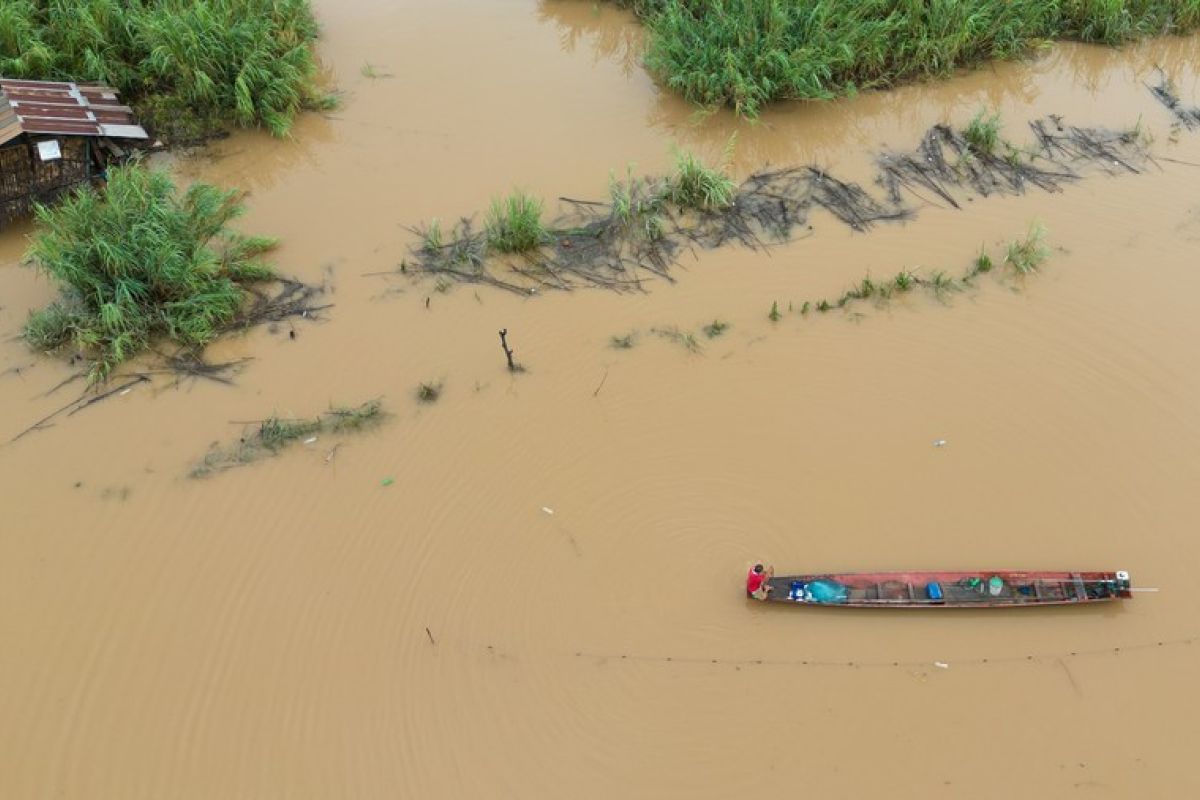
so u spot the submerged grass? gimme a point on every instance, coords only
(429, 392)
(1023, 255)
(625, 342)
(1027, 254)
(187, 67)
(646, 223)
(746, 53)
(684, 339)
(275, 433)
(141, 261)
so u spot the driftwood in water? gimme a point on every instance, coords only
(181, 365)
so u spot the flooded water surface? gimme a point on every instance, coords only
(532, 587)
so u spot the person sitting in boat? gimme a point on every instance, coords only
(758, 581)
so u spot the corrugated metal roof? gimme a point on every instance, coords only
(64, 109)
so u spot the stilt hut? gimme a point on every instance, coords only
(55, 136)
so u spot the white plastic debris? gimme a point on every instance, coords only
(310, 440)
(127, 391)
(548, 510)
(941, 665)
(939, 442)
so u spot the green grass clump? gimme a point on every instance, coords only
(1026, 255)
(514, 224)
(715, 328)
(186, 67)
(746, 53)
(983, 132)
(696, 185)
(141, 261)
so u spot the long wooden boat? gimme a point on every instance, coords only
(999, 589)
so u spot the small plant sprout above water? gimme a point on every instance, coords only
(686, 340)
(372, 71)
(429, 392)
(1027, 254)
(904, 281)
(625, 342)
(940, 283)
(514, 224)
(1138, 134)
(983, 132)
(983, 263)
(715, 328)
(865, 289)
(774, 314)
(698, 186)
(432, 239)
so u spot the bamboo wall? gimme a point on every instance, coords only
(26, 179)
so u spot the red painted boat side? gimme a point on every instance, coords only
(958, 589)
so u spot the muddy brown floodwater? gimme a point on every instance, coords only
(262, 633)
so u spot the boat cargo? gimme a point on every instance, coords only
(986, 589)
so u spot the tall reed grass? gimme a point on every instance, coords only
(141, 261)
(185, 66)
(745, 53)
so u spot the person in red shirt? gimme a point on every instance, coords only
(758, 583)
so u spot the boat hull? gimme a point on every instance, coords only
(940, 589)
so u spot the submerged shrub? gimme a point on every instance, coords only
(140, 261)
(185, 66)
(514, 224)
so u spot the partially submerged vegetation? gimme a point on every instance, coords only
(428, 392)
(747, 53)
(648, 222)
(188, 68)
(143, 263)
(270, 436)
(1023, 256)
(139, 262)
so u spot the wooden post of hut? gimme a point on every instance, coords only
(55, 136)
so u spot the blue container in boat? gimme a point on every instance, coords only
(934, 590)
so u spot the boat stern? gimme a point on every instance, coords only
(1123, 584)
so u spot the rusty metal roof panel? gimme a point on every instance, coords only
(67, 109)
